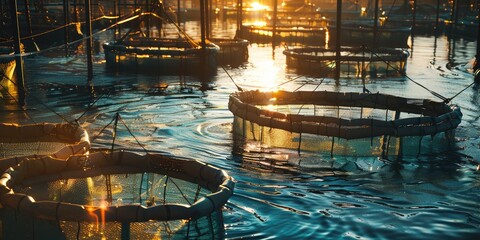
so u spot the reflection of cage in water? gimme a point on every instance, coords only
(357, 61)
(348, 124)
(150, 196)
(18, 142)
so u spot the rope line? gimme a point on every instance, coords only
(446, 100)
(231, 78)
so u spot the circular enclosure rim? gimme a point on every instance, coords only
(437, 116)
(31, 172)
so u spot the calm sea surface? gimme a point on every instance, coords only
(430, 197)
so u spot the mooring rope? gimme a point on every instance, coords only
(438, 95)
(231, 78)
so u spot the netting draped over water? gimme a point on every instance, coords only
(18, 142)
(358, 124)
(114, 195)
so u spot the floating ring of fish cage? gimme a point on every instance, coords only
(232, 51)
(19, 142)
(114, 195)
(358, 60)
(358, 124)
(161, 56)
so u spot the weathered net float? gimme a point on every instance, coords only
(161, 56)
(232, 52)
(20, 142)
(7, 65)
(114, 195)
(356, 61)
(345, 124)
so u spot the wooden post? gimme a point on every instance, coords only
(66, 20)
(274, 23)
(338, 38)
(18, 53)
(88, 22)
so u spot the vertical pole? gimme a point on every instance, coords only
(437, 17)
(239, 17)
(179, 20)
(414, 17)
(148, 9)
(18, 57)
(29, 22)
(88, 22)
(338, 36)
(455, 14)
(452, 15)
(115, 13)
(66, 19)
(203, 55)
(274, 23)
(75, 13)
(208, 4)
(476, 65)
(375, 26)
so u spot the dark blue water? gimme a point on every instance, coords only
(429, 197)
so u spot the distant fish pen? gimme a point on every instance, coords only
(161, 56)
(357, 34)
(314, 36)
(114, 195)
(345, 124)
(357, 61)
(232, 52)
(20, 142)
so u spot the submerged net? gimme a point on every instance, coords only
(19, 142)
(354, 61)
(114, 195)
(345, 124)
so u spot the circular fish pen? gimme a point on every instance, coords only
(114, 195)
(20, 142)
(290, 35)
(345, 124)
(161, 56)
(232, 51)
(354, 61)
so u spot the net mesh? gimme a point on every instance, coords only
(356, 62)
(145, 189)
(344, 124)
(18, 142)
(118, 201)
